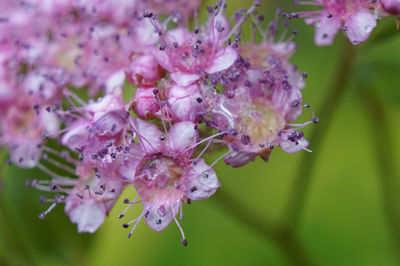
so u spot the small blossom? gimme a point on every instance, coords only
(166, 175)
(354, 17)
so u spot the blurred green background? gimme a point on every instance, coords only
(343, 222)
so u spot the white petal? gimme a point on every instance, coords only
(292, 147)
(159, 217)
(184, 79)
(360, 25)
(149, 136)
(326, 29)
(239, 159)
(200, 181)
(181, 137)
(88, 215)
(223, 60)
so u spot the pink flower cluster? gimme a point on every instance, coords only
(63, 69)
(356, 18)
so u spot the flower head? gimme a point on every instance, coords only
(166, 174)
(352, 16)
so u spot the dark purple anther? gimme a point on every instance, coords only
(245, 139)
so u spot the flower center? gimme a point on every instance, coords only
(255, 54)
(261, 124)
(157, 180)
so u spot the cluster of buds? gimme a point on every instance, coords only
(63, 68)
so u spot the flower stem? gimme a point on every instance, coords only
(302, 180)
(385, 154)
(283, 237)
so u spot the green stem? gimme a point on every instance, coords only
(302, 180)
(283, 237)
(385, 154)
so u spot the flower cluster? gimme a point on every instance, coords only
(63, 67)
(356, 18)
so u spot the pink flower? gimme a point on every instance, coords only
(89, 197)
(93, 196)
(97, 124)
(166, 174)
(352, 16)
(24, 126)
(188, 56)
(254, 117)
(179, 9)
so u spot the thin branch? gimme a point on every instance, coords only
(385, 155)
(302, 180)
(283, 237)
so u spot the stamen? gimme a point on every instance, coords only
(64, 155)
(219, 158)
(126, 209)
(57, 177)
(43, 214)
(59, 165)
(137, 221)
(206, 139)
(184, 241)
(204, 150)
(240, 22)
(180, 213)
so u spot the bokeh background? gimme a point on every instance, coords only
(348, 213)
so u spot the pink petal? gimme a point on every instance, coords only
(223, 60)
(182, 101)
(109, 124)
(146, 105)
(326, 29)
(360, 25)
(181, 137)
(179, 35)
(239, 159)
(293, 106)
(26, 153)
(145, 69)
(89, 215)
(50, 122)
(292, 147)
(200, 181)
(184, 79)
(162, 58)
(76, 135)
(391, 6)
(115, 82)
(106, 104)
(149, 136)
(159, 217)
